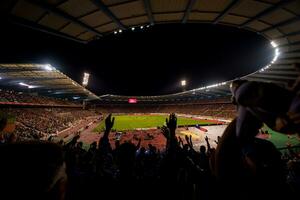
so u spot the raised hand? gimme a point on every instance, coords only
(165, 132)
(208, 145)
(180, 141)
(109, 122)
(187, 139)
(206, 138)
(172, 123)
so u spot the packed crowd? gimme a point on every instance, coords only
(21, 97)
(127, 170)
(35, 123)
(212, 109)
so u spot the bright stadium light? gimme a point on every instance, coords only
(277, 52)
(85, 79)
(132, 28)
(48, 67)
(23, 84)
(274, 44)
(27, 85)
(183, 83)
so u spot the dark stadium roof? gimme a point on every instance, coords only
(42, 79)
(86, 20)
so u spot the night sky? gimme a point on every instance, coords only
(151, 61)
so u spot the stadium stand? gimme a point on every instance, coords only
(241, 167)
(38, 123)
(215, 110)
(11, 96)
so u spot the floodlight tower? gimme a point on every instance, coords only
(85, 79)
(183, 84)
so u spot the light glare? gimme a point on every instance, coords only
(85, 79)
(274, 44)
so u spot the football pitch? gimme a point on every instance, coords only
(131, 122)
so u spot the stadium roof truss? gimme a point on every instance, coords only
(42, 79)
(87, 20)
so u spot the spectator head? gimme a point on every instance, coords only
(142, 150)
(117, 143)
(126, 159)
(234, 85)
(185, 147)
(202, 149)
(79, 145)
(93, 145)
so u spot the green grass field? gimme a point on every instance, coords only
(130, 122)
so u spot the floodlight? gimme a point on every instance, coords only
(85, 79)
(23, 84)
(27, 85)
(142, 27)
(183, 83)
(132, 28)
(274, 44)
(115, 32)
(48, 67)
(120, 31)
(277, 52)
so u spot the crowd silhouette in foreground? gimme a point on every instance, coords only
(241, 167)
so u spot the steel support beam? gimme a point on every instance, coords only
(148, 10)
(269, 10)
(38, 27)
(288, 35)
(232, 5)
(286, 22)
(106, 10)
(54, 10)
(188, 10)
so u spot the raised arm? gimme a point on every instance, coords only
(207, 143)
(169, 131)
(180, 141)
(138, 144)
(109, 123)
(189, 142)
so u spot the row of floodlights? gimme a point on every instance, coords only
(276, 55)
(132, 28)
